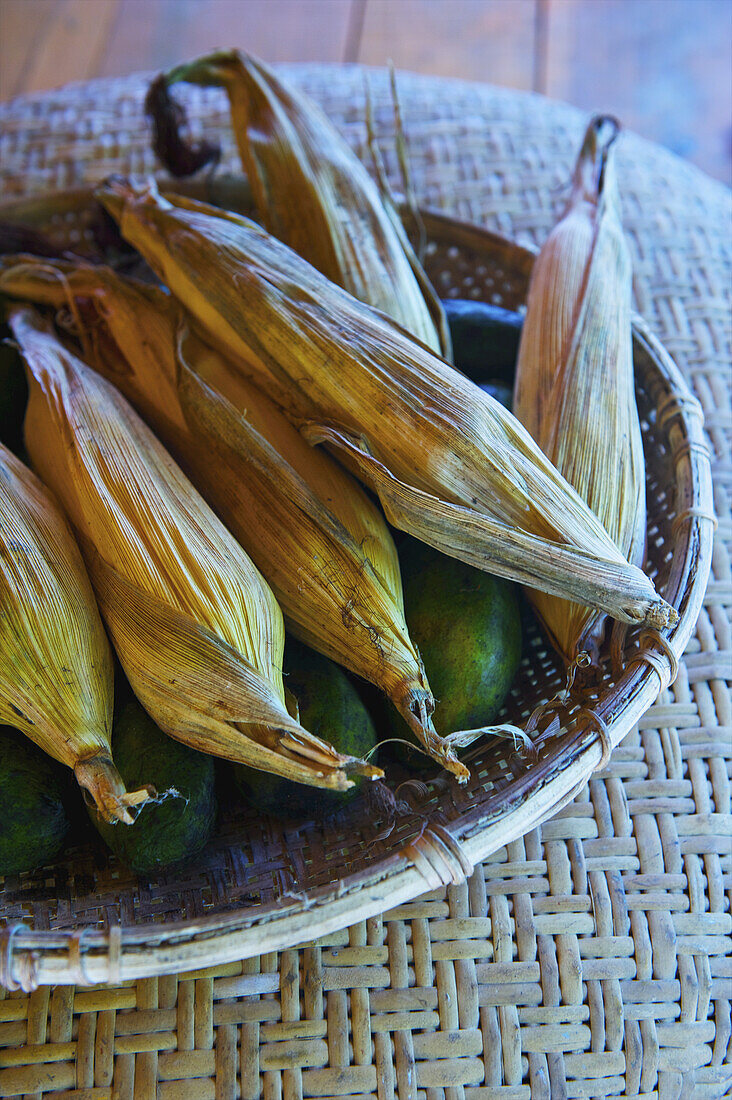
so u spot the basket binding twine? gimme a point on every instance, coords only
(441, 852)
(459, 834)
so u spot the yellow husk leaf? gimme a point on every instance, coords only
(56, 682)
(196, 627)
(574, 380)
(313, 193)
(308, 526)
(449, 463)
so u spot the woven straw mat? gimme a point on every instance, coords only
(590, 958)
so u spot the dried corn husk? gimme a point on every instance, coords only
(308, 526)
(56, 681)
(449, 463)
(196, 627)
(313, 193)
(574, 381)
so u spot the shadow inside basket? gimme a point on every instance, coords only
(254, 860)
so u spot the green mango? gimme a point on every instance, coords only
(33, 823)
(178, 826)
(13, 395)
(485, 339)
(467, 627)
(499, 392)
(331, 708)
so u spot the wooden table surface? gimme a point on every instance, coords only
(662, 66)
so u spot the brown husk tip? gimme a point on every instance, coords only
(601, 133)
(416, 711)
(104, 788)
(168, 117)
(356, 766)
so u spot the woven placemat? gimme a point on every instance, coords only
(592, 957)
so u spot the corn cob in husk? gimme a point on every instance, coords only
(449, 463)
(197, 629)
(574, 387)
(56, 681)
(313, 193)
(308, 526)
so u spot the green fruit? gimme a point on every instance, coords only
(331, 708)
(176, 828)
(499, 392)
(467, 627)
(33, 824)
(485, 339)
(13, 394)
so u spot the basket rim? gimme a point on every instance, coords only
(444, 854)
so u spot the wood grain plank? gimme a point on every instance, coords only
(662, 67)
(155, 34)
(74, 35)
(489, 40)
(21, 27)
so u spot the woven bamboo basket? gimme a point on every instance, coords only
(263, 885)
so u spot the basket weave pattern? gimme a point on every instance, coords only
(591, 957)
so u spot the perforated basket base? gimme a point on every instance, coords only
(262, 882)
(262, 885)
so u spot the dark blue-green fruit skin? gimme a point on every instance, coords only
(33, 822)
(499, 392)
(467, 627)
(331, 708)
(177, 829)
(485, 339)
(13, 395)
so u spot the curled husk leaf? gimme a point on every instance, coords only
(56, 682)
(197, 629)
(450, 464)
(312, 192)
